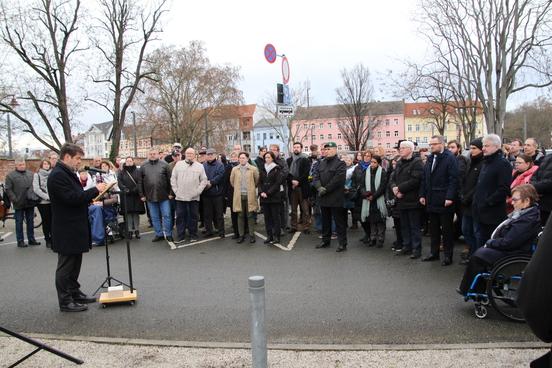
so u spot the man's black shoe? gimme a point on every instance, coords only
(21, 244)
(73, 307)
(137, 234)
(447, 261)
(322, 245)
(82, 298)
(170, 239)
(430, 258)
(269, 240)
(33, 242)
(156, 239)
(241, 240)
(415, 256)
(341, 248)
(252, 240)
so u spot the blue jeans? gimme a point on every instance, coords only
(28, 215)
(470, 229)
(97, 227)
(411, 230)
(318, 223)
(161, 212)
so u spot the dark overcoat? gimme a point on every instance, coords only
(331, 174)
(70, 226)
(542, 181)
(303, 177)
(441, 184)
(407, 176)
(492, 189)
(270, 184)
(127, 180)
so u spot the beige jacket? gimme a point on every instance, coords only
(252, 182)
(188, 181)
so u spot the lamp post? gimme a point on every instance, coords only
(13, 104)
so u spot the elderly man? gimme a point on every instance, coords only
(176, 148)
(213, 196)
(155, 189)
(188, 180)
(438, 192)
(405, 182)
(329, 181)
(97, 162)
(492, 189)
(531, 149)
(53, 158)
(19, 183)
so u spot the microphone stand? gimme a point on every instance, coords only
(105, 298)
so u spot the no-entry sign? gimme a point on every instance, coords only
(285, 70)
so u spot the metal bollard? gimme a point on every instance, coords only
(258, 331)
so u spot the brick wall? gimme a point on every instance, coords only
(7, 166)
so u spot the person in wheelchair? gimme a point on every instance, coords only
(103, 212)
(513, 236)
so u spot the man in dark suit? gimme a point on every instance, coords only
(70, 227)
(438, 192)
(299, 188)
(329, 181)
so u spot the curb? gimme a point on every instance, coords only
(295, 347)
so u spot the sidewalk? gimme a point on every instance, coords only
(151, 356)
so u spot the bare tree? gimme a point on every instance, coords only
(44, 41)
(125, 30)
(193, 96)
(502, 43)
(356, 122)
(285, 126)
(536, 114)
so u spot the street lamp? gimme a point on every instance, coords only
(13, 103)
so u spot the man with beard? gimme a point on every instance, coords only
(298, 184)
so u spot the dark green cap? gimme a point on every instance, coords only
(330, 145)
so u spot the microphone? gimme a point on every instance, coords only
(93, 169)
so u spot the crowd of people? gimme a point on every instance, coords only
(438, 191)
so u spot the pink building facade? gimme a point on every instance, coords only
(320, 124)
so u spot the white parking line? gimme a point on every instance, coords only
(5, 236)
(174, 246)
(280, 246)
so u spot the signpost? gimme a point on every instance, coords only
(283, 95)
(285, 111)
(285, 70)
(270, 53)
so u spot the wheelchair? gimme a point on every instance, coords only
(501, 286)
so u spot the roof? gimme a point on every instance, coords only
(269, 123)
(334, 111)
(424, 109)
(104, 127)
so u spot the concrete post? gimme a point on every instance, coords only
(258, 331)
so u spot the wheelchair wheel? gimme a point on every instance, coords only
(480, 311)
(503, 285)
(37, 221)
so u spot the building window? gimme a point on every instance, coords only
(379, 134)
(410, 139)
(396, 133)
(338, 135)
(305, 149)
(321, 125)
(417, 127)
(388, 133)
(264, 136)
(277, 136)
(409, 128)
(306, 126)
(329, 125)
(388, 145)
(313, 137)
(271, 135)
(346, 148)
(339, 147)
(396, 121)
(258, 136)
(321, 136)
(386, 122)
(246, 135)
(330, 136)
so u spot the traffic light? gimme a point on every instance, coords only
(280, 93)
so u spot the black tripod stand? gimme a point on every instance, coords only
(39, 346)
(107, 282)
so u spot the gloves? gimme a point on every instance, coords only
(321, 191)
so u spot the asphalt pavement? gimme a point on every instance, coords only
(199, 293)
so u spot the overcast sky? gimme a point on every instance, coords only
(320, 38)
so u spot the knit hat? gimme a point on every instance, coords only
(478, 142)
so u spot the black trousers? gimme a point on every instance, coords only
(474, 267)
(213, 212)
(46, 216)
(440, 225)
(339, 214)
(272, 219)
(67, 274)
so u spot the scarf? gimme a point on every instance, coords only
(294, 169)
(243, 184)
(380, 202)
(269, 167)
(511, 217)
(364, 164)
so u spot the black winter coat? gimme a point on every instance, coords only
(492, 189)
(127, 180)
(462, 169)
(534, 296)
(18, 183)
(407, 176)
(542, 181)
(227, 189)
(303, 177)
(441, 184)
(331, 174)
(155, 182)
(70, 226)
(469, 183)
(270, 184)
